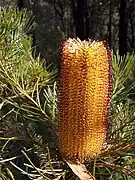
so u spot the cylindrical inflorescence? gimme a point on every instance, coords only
(84, 96)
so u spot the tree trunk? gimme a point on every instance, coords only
(110, 25)
(86, 14)
(81, 18)
(123, 24)
(79, 21)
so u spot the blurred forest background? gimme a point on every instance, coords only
(55, 20)
(29, 62)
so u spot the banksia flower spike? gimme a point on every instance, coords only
(84, 96)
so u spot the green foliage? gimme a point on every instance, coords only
(27, 93)
(28, 112)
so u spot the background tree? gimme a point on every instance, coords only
(59, 19)
(123, 27)
(81, 18)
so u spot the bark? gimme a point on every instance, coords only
(81, 18)
(110, 25)
(123, 24)
(86, 15)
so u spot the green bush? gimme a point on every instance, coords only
(27, 94)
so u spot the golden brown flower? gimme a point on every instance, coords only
(84, 96)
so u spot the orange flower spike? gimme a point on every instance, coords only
(84, 96)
